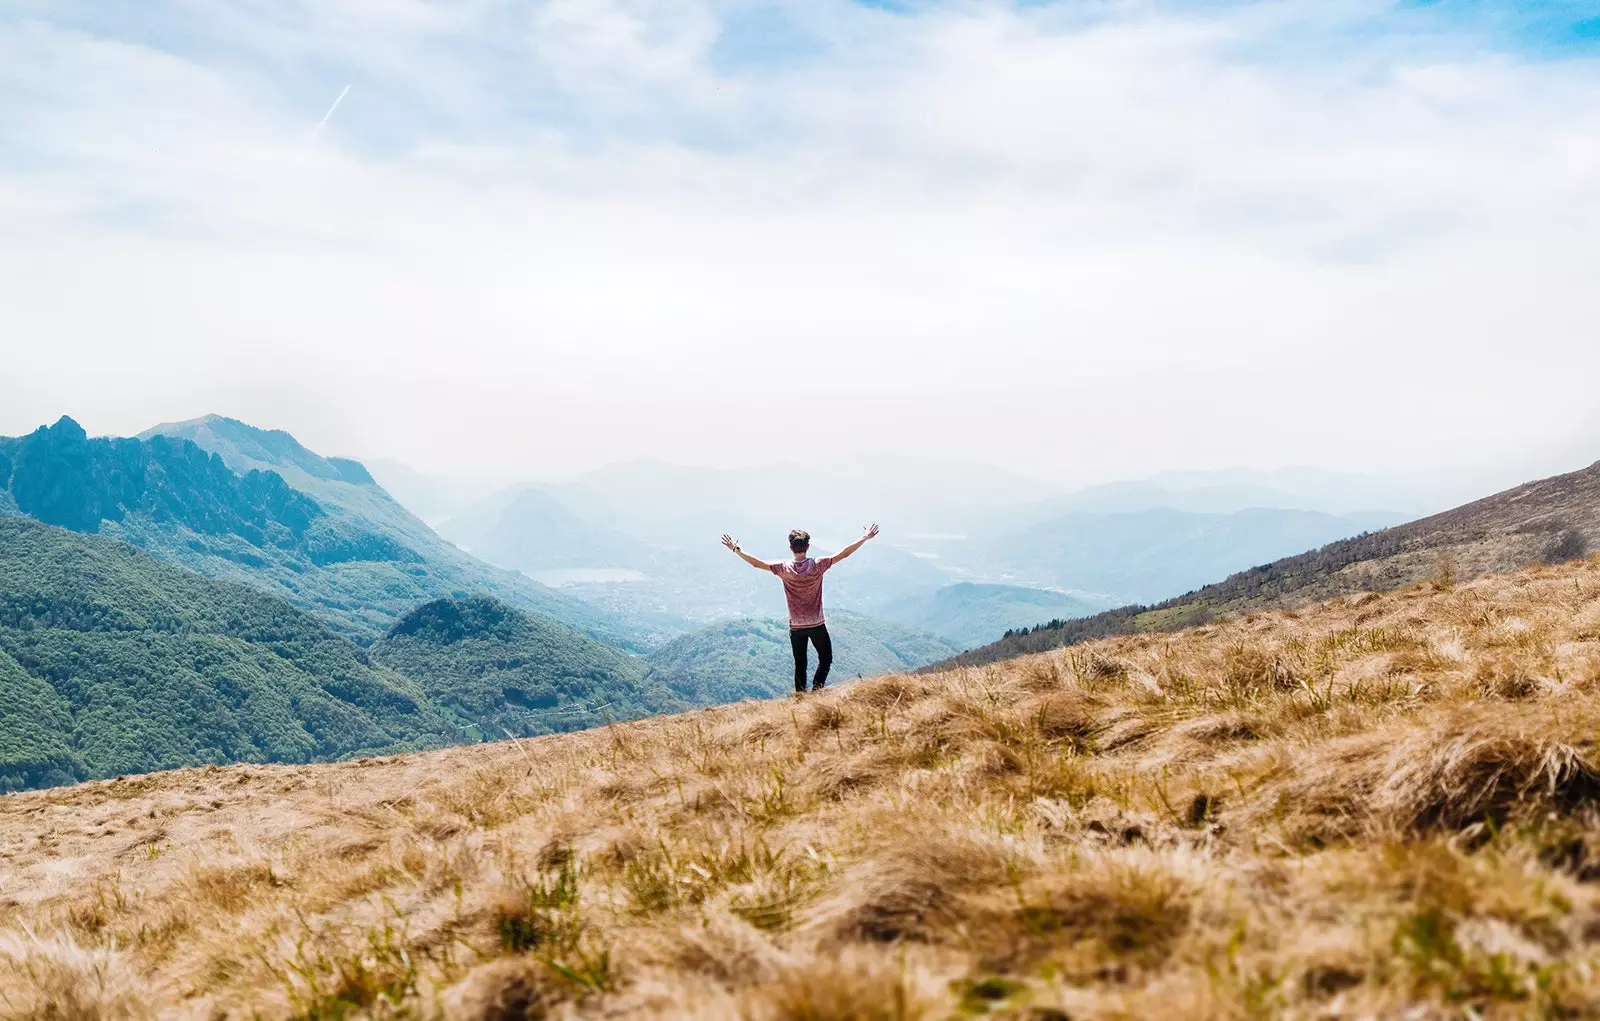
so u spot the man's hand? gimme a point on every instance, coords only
(733, 544)
(869, 533)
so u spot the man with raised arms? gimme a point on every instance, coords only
(802, 587)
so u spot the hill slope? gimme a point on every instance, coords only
(1379, 807)
(751, 658)
(111, 662)
(1551, 520)
(508, 672)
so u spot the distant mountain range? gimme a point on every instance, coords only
(1303, 488)
(1218, 498)
(1548, 521)
(1151, 554)
(531, 529)
(540, 531)
(640, 539)
(970, 614)
(253, 506)
(432, 498)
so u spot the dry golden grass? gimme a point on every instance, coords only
(1384, 806)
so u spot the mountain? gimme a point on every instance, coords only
(385, 560)
(433, 498)
(508, 672)
(112, 662)
(1141, 495)
(1551, 520)
(971, 614)
(60, 476)
(1220, 498)
(663, 574)
(1336, 492)
(1153, 554)
(639, 539)
(751, 658)
(529, 529)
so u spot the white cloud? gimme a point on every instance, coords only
(554, 234)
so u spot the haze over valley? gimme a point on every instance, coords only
(633, 537)
(537, 608)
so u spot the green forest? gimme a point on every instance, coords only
(509, 673)
(111, 662)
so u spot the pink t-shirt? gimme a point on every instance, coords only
(802, 586)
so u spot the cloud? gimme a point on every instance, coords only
(1085, 240)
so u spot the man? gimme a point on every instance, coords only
(802, 587)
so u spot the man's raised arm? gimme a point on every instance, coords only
(733, 544)
(870, 532)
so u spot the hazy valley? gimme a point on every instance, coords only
(453, 631)
(634, 538)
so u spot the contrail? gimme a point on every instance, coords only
(342, 93)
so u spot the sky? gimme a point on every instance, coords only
(1088, 240)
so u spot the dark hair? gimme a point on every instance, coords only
(799, 540)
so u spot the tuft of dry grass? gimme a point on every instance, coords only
(1382, 806)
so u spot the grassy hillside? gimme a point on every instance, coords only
(111, 662)
(379, 593)
(752, 659)
(971, 614)
(509, 673)
(1379, 807)
(1549, 521)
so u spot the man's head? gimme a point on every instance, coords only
(799, 541)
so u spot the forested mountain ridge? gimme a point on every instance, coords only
(1547, 521)
(113, 662)
(347, 490)
(259, 509)
(244, 447)
(60, 476)
(511, 673)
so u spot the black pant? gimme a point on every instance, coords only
(818, 636)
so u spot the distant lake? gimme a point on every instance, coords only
(556, 577)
